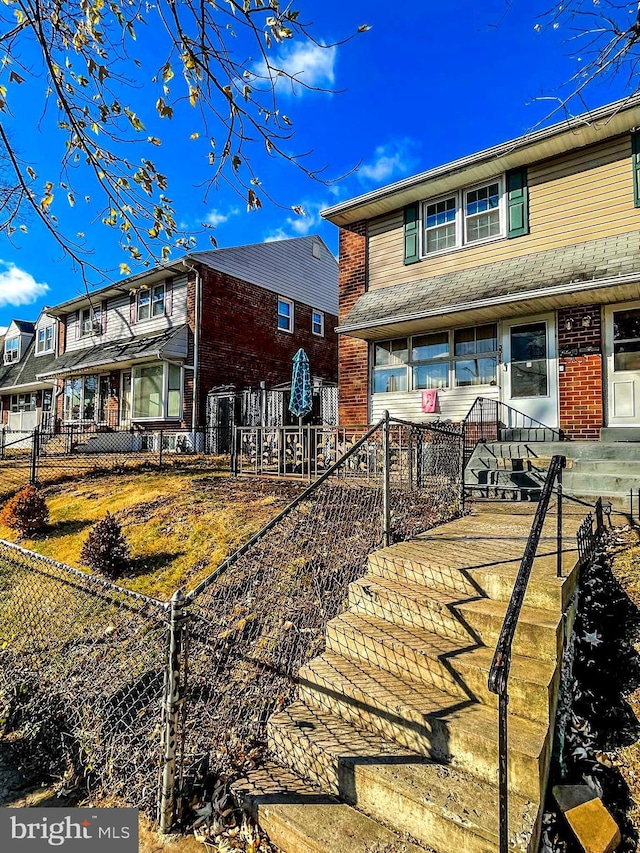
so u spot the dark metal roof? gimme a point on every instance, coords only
(570, 266)
(172, 343)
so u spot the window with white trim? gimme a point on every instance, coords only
(90, 322)
(468, 216)
(285, 314)
(151, 302)
(44, 342)
(11, 350)
(457, 358)
(317, 323)
(157, 391)
(23, 403)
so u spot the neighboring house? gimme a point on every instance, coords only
(145, 351)
(513, 273)
(27, 350)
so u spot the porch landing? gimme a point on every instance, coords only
(392, 744)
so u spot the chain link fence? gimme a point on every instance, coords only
(150, 697)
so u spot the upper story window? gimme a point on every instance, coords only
(438, 360)
(317, 323)
(285, 314)
(151, 302)
(44, 342)
(90, 322)
(468, 216)
(11, 350)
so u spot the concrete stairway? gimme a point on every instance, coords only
(395, 732)
(594, 469)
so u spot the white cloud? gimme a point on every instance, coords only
(217, 217)
(298, 226)
(310, 64)
(18, 287)
(389, 160)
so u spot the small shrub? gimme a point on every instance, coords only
(26, 512)
(105, 549)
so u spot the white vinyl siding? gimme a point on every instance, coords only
(119, 327)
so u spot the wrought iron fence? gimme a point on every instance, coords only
(492, 420)
(149, 696)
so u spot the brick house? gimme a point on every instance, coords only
(512, 274)
(146, 351)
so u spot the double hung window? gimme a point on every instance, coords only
(317, 323)
(45, 340)
(11, 350)
(151, 302)
(285, 314)
(468, 216)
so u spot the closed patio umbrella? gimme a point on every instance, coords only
(301, 401)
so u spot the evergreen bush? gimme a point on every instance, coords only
(105, 549)
(26, 512)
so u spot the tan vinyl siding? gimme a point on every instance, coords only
(572, 199)
(407, 405)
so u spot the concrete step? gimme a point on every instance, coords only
(410, 653)
(408, 604)
(544, 590)
(325, 749)
(572, 449)
(300, 818)
(538, 635)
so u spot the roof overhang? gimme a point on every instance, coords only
(587, 129)
(604, 291)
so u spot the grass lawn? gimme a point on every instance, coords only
(179, 524)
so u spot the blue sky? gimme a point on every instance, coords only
(428, 83)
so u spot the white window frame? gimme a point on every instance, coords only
(12, 354)
(22, 403)
(151, 294)
(44, 349)
(450, 360)
(289, 317)
(165, 392)
(320, 315)
(89, 321)
(461, 218)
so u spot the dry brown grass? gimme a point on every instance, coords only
(179, 525)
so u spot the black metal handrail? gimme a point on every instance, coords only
(501, 665)
(488, 419)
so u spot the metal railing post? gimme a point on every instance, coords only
(160, 448)
(33, 474)
(503, 777)
(3, 442)
(386, 476)
(559, 521)
(170, 711)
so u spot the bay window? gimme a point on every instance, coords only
(157, 391)
(438, 360)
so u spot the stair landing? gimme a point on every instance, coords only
(392, 744)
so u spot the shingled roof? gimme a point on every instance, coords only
(565, 268)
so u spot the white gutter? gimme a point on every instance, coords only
(558, 290)
(196, 343)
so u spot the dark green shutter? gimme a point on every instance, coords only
(411, 234)
(518, 202)
(635, 159)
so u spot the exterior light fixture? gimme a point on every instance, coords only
(568, 324)
(586, 321)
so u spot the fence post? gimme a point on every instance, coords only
(160, 448)
(170, 710)
(34, 456)
(3, 442)
(386, 462)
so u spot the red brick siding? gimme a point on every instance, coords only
(353, 353)
(241, 344)
(581, 382)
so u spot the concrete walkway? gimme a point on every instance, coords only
(392, 744)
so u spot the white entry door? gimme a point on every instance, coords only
(622, 353)
(529, 377)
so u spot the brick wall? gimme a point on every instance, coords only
(240, 342)
(581, 383)
(353, 353)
